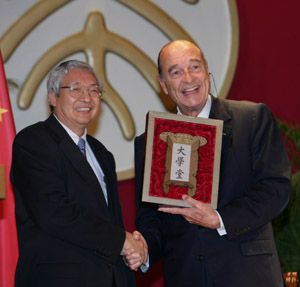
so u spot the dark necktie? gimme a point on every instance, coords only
(81, 145)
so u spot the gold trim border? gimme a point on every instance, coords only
(234, 51)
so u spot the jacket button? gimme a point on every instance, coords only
(200, 257)
(110, 266)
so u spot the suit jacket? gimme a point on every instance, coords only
(67, 234)
(254, 188)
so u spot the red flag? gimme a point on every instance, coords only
(8, 232)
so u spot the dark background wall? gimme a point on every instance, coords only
(268, 71)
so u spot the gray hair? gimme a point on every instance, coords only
(58, 73)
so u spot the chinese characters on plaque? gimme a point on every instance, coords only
(180, 165)
(182, 157)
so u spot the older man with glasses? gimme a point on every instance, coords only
(68, 213)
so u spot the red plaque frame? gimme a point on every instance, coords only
(200, 141)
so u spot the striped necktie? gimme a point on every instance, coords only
(81, 145)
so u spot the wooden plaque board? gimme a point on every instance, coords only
(182, 157)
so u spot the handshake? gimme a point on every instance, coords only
(135, 250)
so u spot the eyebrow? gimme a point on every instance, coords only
(196, 60)
(172, 68)
(176, 65)
(78, 83)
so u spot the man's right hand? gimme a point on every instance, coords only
(135, 250)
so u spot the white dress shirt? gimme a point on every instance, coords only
(205, 114)
(95, 165)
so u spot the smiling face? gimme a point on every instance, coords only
(185, 76)
(76, 113)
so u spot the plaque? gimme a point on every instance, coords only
(182, 157)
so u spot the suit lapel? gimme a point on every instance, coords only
(74, 155)
(219, 111)
(107, 175)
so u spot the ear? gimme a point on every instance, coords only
(162, 84)
(52, 99)
(207, 69)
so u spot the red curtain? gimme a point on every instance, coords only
(268, 67)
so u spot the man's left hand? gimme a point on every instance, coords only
(199, 213)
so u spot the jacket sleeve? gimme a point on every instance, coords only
(147, 221)
(268, 174)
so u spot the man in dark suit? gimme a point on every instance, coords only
(231, 246)
(68, 213)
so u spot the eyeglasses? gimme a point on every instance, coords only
(77, 90)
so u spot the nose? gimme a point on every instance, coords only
(187, 76)
(85, 95)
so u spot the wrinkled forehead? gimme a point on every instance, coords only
(79, 75)
(180, 55)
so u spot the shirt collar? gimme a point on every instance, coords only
(74, 136)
